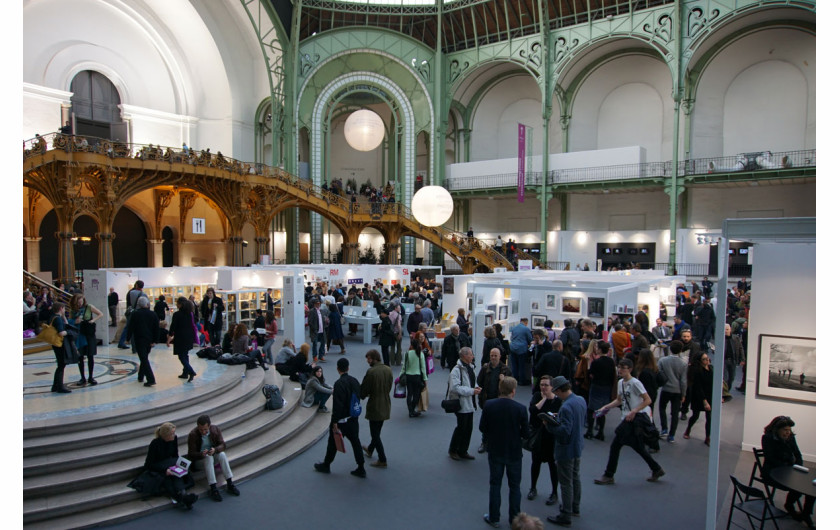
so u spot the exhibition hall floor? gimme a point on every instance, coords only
(421, 488)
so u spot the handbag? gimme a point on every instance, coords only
(430, 365)
(399, 390)
(533, 441)
(50, 335)
(450, 405)
(338, 437)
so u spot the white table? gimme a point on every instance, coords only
(366, 323)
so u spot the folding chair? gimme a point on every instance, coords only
(758, 475)
(754, 504)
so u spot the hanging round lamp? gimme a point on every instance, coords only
(432, 205)
(364, 130)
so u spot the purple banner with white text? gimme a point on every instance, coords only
(520, 171)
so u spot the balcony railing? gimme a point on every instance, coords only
(744, 162)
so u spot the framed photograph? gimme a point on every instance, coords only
(492, 308)
(596, 307)
(488, 320)
(550, 301)
(538, 321)
(514, 307)
(479, 300)
(469, 305)
(535, 305)
(787, 368)
(448, 285)
(503, 312)
(571, 305)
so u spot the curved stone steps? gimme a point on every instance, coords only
(254, 452)
(38, 435)
(130, 439)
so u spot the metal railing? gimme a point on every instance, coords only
(30, 281)
(744, 162)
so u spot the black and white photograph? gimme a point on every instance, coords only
(595, 307)
(492, 308)
(448, 285)
(535, 305)
(538, 321)
(479, 300)
(503, 312)
(488, 320)
(514, 307)
(787, 368)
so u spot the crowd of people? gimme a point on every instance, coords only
(575, 375)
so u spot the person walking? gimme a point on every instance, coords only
(543, 400)
(376, 388)
(633, 401)
(343, 422)
(182, 337)
(144, 328)
(504, 422)
(701, 376)
(673, 391)
(414, 370)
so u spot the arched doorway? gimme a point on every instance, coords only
(168, 247)
(95, 107)
(85, 244)
(130, 247)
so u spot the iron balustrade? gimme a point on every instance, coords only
(744, 162)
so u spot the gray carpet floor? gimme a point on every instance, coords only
(422, 488)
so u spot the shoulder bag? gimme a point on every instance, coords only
(50, 335)
(86, 327)
(450, 405)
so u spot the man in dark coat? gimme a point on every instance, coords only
(342, 422)
(450, 348)
(144, 328)
(554, 363)
(504, 422)
(376, 388)
(488, 379)
(206, 445)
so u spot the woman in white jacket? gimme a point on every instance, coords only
(462, 385)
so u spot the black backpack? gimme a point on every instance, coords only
(273, 398)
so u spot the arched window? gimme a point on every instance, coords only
(95, 107)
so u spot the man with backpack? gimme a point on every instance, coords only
(570, 338)
(345, 419)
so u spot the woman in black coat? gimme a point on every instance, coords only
(543, 400)
(700, 379)
(182, 337)
(157, 478)
(490, 342)
(387, 337)
(211, 310)
(780, 449)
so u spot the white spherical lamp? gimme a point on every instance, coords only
(432, 205)
(364, 130)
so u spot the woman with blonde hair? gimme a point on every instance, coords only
(157, 477)
(84, 317)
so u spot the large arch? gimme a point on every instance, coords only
(361, 81)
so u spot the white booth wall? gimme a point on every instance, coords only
(783, 289)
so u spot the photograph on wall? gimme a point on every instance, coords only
(507, 291)
(492, 308)
(550, 301)
(488, 320)
(787, 368)
(448, 285)
(479, 300)
(514, 307)
(571, 305)
(596, 307)
(535, 305)
(538, 321)
(503, 312)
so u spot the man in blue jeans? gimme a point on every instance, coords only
(520, 341)
(504, 422)
(568, 446)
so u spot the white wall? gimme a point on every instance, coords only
(494, 125)
(783, 289)
(758, 93)
(626, 101)
(707, 206)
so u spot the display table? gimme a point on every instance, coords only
(797, 481)
(366, 325)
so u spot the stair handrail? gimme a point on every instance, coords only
(58, 295)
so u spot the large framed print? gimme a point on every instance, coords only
(787, 368)
(596, 307)
(571, 305)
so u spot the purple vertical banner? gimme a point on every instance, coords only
(520, 172)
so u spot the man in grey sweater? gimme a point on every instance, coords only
(673, 391)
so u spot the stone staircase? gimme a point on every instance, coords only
(75, 473)
(34, 345)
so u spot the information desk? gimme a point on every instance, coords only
(797, 481)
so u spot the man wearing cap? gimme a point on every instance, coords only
(568, 447)
(505, 422)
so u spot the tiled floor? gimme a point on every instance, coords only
(116, 373)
